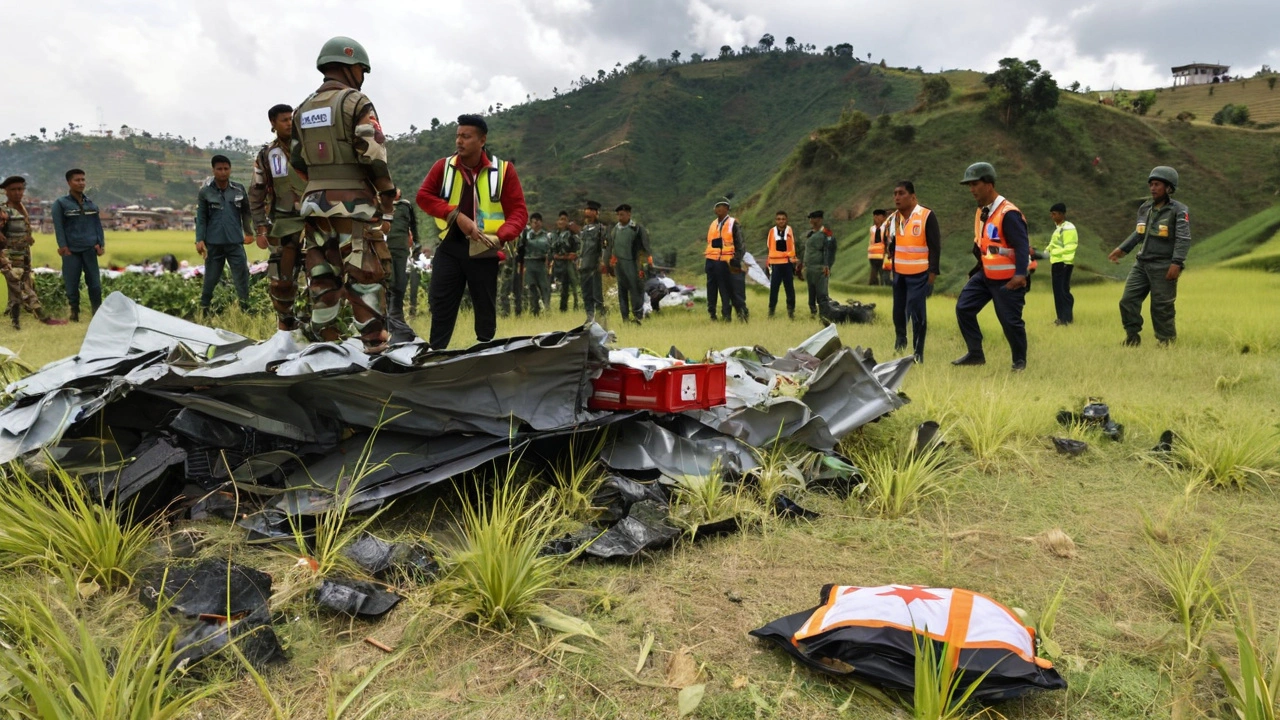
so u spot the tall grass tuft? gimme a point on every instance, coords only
(781, 471)
(577, 475)
(702, 499)
(1227, 457)
(988, 428)
(939, 693)
(60, 529)
(499, 573)
(84, 675)
(898, 479)
(1255, 693)
(1193, 587)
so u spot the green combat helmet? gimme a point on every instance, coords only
(979, 171)
(343, 50)
(1165, 174)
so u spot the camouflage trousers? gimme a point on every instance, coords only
(283, 267)
(347, 260)
(21, 283)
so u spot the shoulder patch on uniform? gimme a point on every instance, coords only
(319, 117)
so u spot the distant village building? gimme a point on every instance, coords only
(1199, 74)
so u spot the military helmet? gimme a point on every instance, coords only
(979, 171)
(1165, 174)
(343, 50)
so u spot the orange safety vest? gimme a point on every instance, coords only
(782, 250)
(875, 250)
(910, 250)
(720, 240)
(997, 256)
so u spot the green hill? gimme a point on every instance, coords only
(120, 171)
(851, 172)
(671, 141)
(1203, 101)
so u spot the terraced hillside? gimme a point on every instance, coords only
(1205, 100)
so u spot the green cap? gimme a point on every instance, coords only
(722, 201)
(343, 50)
(979, 171)
(1165, 174)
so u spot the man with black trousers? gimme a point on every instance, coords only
(479, 206)
(1003, 271)
(917, 249)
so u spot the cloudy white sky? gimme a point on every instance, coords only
(209, 68)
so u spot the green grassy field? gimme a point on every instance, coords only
(1117, 630)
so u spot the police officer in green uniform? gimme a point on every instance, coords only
(340, 149)
(275, 199)
(564, 256)
(400, 241)
(15, 254)
(628, 255)
(222, 219)
(1164, 231)
(535, 250)
(817, 257)
(592, 239)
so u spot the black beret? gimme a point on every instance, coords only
(12, 180)
(815, 214)
(593, 205)
(1059, 207)
(622, 207)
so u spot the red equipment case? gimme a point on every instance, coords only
(696, 386)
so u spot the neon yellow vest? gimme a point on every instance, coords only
(488, 193)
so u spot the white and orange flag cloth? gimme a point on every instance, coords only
(962, 618)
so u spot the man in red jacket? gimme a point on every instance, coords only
(479, 207)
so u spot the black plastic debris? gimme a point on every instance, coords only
(252, 635)
(715, 528)
(270, 527)
(617, 494)
(384, 560)
(927, 437)
(785, 507)
(1096, 415)
(204, 430)
(210, 587)
(1067, 446)
(151, 459)
(851, 312)
(355, 597)
(1165, 445)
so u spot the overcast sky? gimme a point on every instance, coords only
(209, 68)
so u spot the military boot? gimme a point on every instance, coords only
(75, 314)
(1133, 340)
(16, 313)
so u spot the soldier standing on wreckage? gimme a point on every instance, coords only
(338, 146)
(592, 239)
(275, 200)
(15, 254)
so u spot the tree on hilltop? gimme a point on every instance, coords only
(1021, 90)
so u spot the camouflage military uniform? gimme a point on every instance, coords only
(275, 199)
(564, 254)
(338, 145)
(15, 262)
(511, 282)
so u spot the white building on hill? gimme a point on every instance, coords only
(1198, 73)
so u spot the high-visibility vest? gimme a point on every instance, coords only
(720, 240)
(782, 250)
(488, 204)
(875, 250)
(910, 250)
(997, 255)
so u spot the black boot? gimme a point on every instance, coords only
(970, 359)
(16, 313)
(1133, 340)
(75, 314)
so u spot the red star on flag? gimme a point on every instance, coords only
(908, 594)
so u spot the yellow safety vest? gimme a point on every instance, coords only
(488, 187)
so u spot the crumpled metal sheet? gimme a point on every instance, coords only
(676, 447)
(300, 393)
(782, 397)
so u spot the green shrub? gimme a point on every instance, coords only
(1237, 115)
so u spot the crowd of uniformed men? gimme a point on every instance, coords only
(323, 202)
